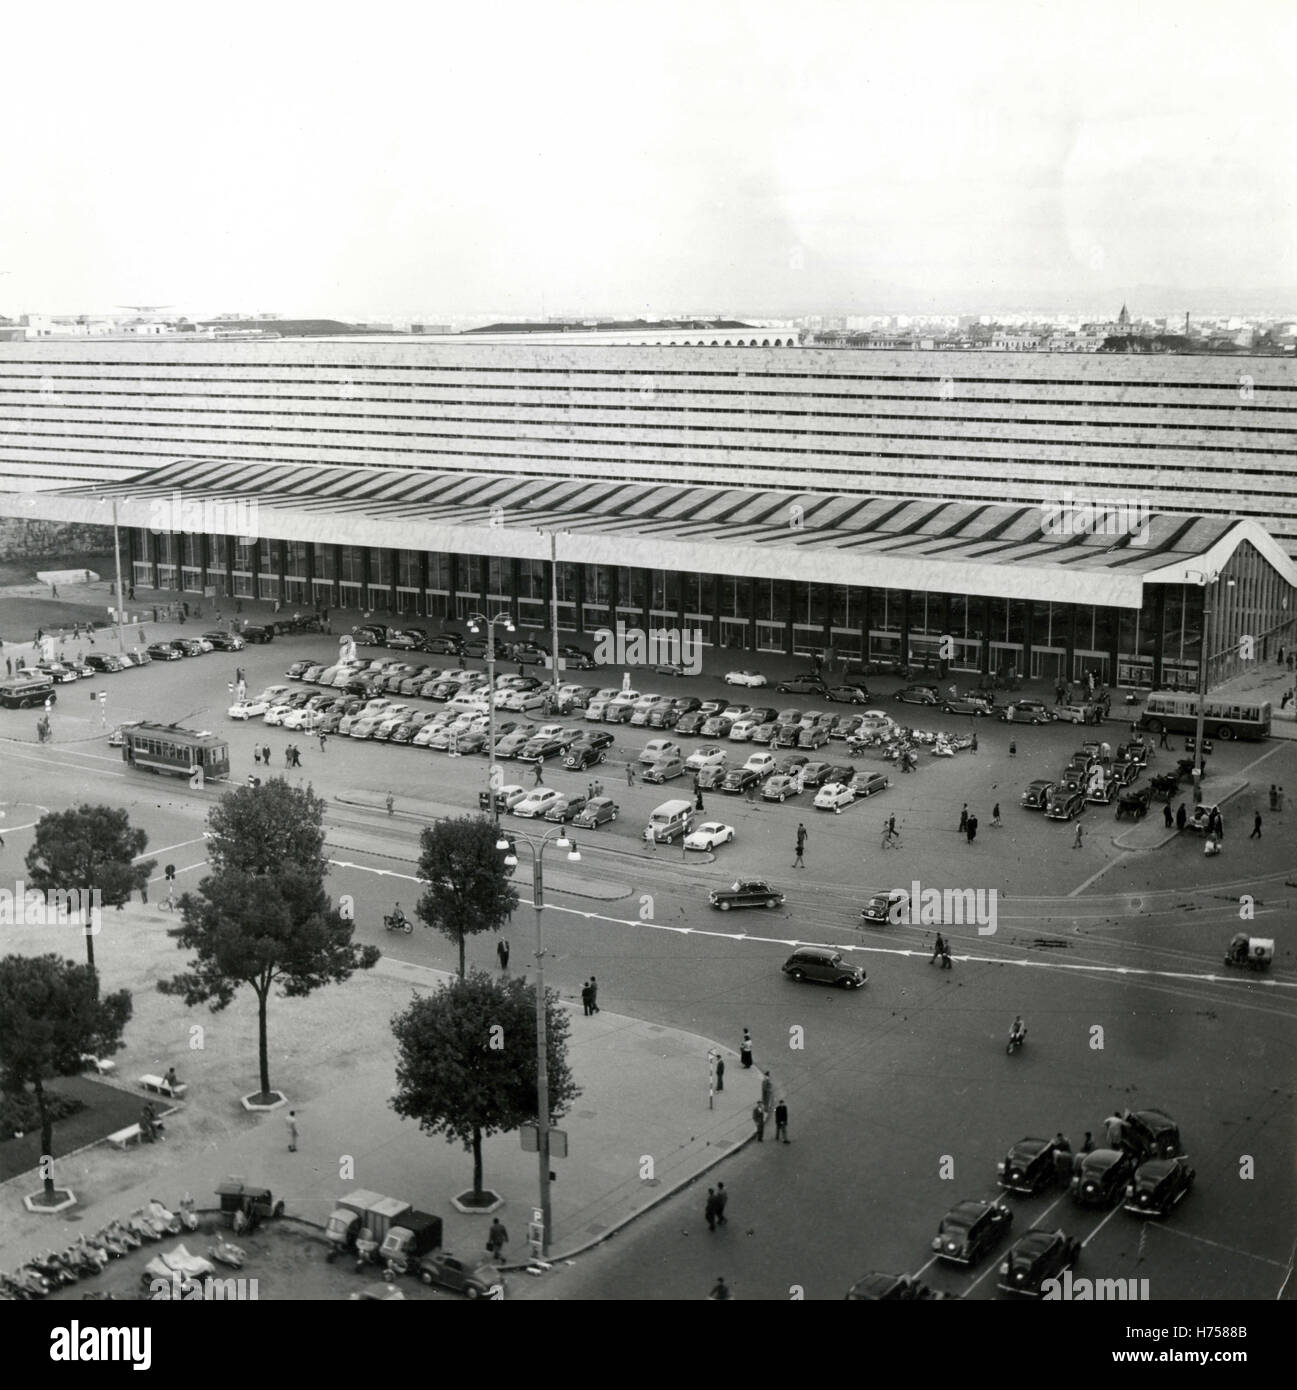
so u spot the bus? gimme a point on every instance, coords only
(25, 692)
(1176, 711)
(171, 749)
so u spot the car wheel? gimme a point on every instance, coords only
(770, 902)
(724, 906)
(783, 796)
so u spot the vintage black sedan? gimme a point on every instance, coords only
(596, 812)
(969, 1229)
(802, 685)
(1158, 1186)
(583, 754)
(164, 651)
(1037, 795)
(1030, 1166)
(747, 893)
(917, 695)
(890, 1288)
(1100, 1177)
(1038, 1256)
(1065, 803)
(739, 779)
(1151, 1134)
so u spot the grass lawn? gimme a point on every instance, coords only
(106, 1110)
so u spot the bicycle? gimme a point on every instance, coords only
(168, 904)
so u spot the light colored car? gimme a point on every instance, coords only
(594, 711)
(273, 694)
(469, 704)
(833, 796)
(754, 679)
(537, 802)
(763, 764)
(709, 755)
(666, 768)
(249, 709)
(511, 795)
(276, 714)
(427, 732)
(304, 718)
(710, 834)
(780, 787)
(657, 748)
(526, 701)
(742, 729)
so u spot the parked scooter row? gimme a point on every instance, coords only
(87, 1255)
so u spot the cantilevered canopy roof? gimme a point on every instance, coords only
(955, 547)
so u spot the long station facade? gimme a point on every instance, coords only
(1045, 514)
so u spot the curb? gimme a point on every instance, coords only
(1170, 835)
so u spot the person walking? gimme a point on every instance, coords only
(1163, 741)
(256, 755)
(996, 823)
(1167, 817)
(1181, 816)
(390, 803)
(722, 1200)
(539, 778)
(502, 953)
(720, 1291)
(324, 738)
(585, 999)
(594, 995)
(745, 1049)
(781, 1121)
(1013, 748)
(767, 1091)
(497, 1238)
(938, 949)
(720, 1073)
(698, 801)
(291, 1121)
(963, 818)
(759, 1119)
(973, 745)
(972, 829)
(265, 754)
(1256, 827)
(945, 955)
(1272, 795)
(798, 861)
(288, 756)
(630, 774)
(709, 1209)
(1080, 835)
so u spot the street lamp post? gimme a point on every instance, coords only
(1205, 581)
(553, 611)
(473, 620)
(537, 848)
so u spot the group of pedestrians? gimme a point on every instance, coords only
(589, 996)
(968, 822)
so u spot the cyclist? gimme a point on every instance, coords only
(1019, 1029)
(398, 917)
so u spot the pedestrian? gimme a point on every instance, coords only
(391, 802)
(709, 1209)
(291, 1122)
(1167, 817)
(995, 816)
(594, 995)
(722, 1200)
(1080, 835)
(974, 743)
(720, 1073)
(265, 754)
(972, 829)
(1163, 741)
(745, 1049)
(759, 1119)
(963, 818)
(1272, 795)
(589, 791)
(1181, 816)
(1013, 748)
(496, 1238)
(1216, 825)
(288, 756)
(256, 756)
(767, 1090)
(720, 1290)
(130, 592)
(938, 949)
(324, 738)
(585, 999)
(945, 956)
(698, 801)
(1279, 802)
(144, 888)
(630, 774)
(502, 951)
(1256, 827)
(1087, 1145)
(798, 862)
(781, 1122)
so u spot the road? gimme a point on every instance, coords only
(901, 1095)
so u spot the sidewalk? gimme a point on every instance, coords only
(640, 1129)
(1151, 832)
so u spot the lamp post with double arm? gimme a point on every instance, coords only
(476, 621)
(1205, 581)
(536, 847)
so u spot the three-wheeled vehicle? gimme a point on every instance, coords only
(244, 1206)
(412, 1237)
(1250, 952)
(358, 1212)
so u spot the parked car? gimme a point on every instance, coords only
(869, 783)
(1065, 803)
(969, 704)
(164, 651)
(816, 774)
(105, 662)
(510, 745)
(407, 639)
(596, 812)
(582, 754)
(541, 747)
(890, 1288)
(1041, 1254)
(813, 736)
(717, 725)
(710, 834)
(473, 1278)
(709, 778)
(1099, 1178)
(917, 695)
(969, 1229)
(537, 802)
(577, 658)
(763, 764)
(835, 797)
(1158, 1186)
(824, 966)
(665, 769)
(780, 787)
(690, 722)
(449, 644)
(225, 641)
(709, 755)
(847, 695)
(1025, 712)
(568, 806)
(739, 779)
(745, 893)
(801, 685)
(1037, 795)
(752, 679)
(1029, 1165)
(254, 632)
(1151, 1134)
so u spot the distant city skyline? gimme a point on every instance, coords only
(578, 159)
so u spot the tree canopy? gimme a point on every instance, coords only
(466, 1063)
(261, 830)
(50, 1014)
(89, 848)
(467, 888)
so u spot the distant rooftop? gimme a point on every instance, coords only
(289, 328)
(610, 326)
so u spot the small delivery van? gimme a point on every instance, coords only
(671, 820)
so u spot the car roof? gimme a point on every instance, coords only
(1036, 1242)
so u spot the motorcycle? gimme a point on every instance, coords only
(15, 1292)
(188, 1216)
(49, 1267)
(117, 1240)
(159, 1216)
(85, 1259)
(227, 1253)
(145, 1230)
(34, 1283)
(1016, 1039)
(401, 924)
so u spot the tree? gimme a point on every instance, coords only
(51, 1013)
(466, 1064)
(91, 849)
(263, 917)
(468, 888)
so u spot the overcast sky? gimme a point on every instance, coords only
(722, 156)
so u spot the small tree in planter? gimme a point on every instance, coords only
(467, 888)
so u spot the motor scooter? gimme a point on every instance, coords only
(52, 1270)
(401, 924)
(1016, 1039)
(38, 1286)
